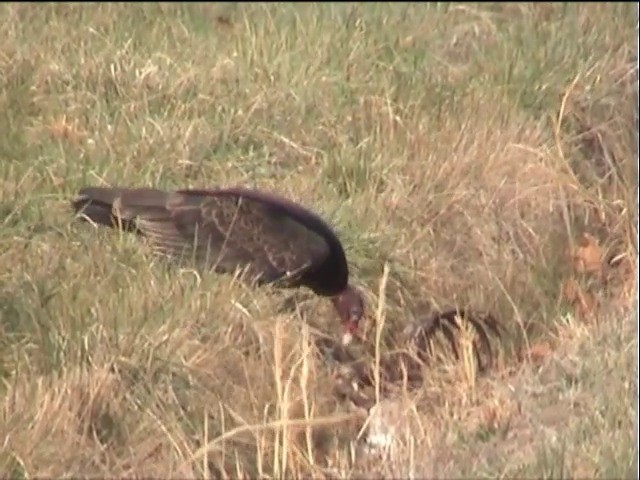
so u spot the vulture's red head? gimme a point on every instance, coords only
(350, 307)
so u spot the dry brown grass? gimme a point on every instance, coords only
(485, 154)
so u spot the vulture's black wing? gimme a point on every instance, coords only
(223, 229)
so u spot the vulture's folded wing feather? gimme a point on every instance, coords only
(225, 232)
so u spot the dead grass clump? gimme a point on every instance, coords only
(82, 411)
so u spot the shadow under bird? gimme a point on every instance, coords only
(274, 239)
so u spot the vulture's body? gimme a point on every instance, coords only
(274, 239)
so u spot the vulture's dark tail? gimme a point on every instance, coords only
(96, 204)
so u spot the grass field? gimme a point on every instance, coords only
(485, 153)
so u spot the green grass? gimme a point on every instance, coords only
(467, 146)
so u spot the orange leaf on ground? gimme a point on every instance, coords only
(538, 352)
(587, 255)
(570, 290)
(63, 129)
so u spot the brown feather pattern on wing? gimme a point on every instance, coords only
(224, 232)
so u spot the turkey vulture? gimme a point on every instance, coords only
(274, 239)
